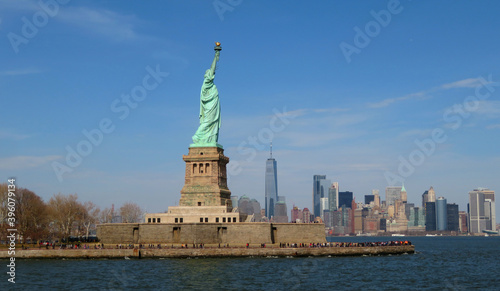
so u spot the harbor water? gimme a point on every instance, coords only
(440, 263)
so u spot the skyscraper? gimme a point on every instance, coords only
(453, 217)
(271, 184)
(345, 199)
(376, 197)
(320, 190)
(323, 205)
(392, 193)
(428, 196)
(404, 195)
(280, 212)
(416, 217)
(297, 215)
(333, 197)
(441, 214)
(431, 195)
(430, 216)
(425, 198)
(489, 213)
(462, 221)
(481, 210)
(244, 205)
(306, 215)
(256, 209)
(234, 200)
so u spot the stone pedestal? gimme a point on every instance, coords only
(206, 178)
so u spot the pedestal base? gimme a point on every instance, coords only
(206, 179)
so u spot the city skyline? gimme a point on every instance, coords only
(414, 100)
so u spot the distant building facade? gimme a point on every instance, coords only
(482, 214)
(441, 214)
(306, 215)
(392, 193)
(345, 199)
(376, 197)
(280, 212)
(430, 216)
(369, 198)
(321, 188)
(416, 217)
(453, 217)
(428, 196)
(323, 206)
(296, 215)
(333, 197)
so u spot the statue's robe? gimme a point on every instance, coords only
(208, 131)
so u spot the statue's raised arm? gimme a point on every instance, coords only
(214, 63)
(208, 131)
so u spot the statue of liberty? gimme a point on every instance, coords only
(208, 131)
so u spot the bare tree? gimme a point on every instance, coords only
(4, 194)
(4, 210)
(105, 216)
(90, 216)
(65, 211)
(31, 215)
(131, 212)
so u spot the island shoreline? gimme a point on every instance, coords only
(208, 252)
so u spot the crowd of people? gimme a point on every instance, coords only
(345, 244)
(248, 245)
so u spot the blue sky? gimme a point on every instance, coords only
(424, 71)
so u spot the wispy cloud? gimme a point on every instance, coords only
(317, 129)
(170, 56)
(18, 72)
(331, 110)
(96, 21)
(308, 140)
(389, 101)
(25, 162)
(295, 113)
(415, 132)
(304, 127)
(364, 167)
(466, 83)
(488, 109)
(19, 5)
(109, 24)
(493, 126)
(8, 135)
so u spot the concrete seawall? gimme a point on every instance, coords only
(208, 252)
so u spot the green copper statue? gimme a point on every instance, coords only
(208, 132)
